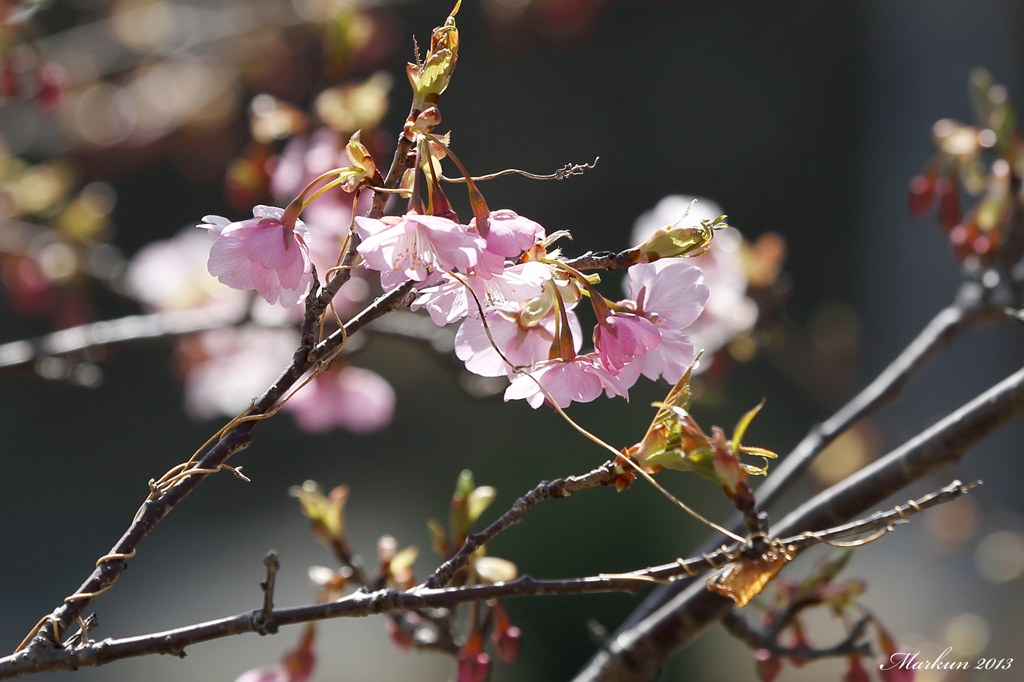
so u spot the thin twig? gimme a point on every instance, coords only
(849, 646)
(566, 171)
(559, 488)
(604, 260)
(263, 620)
(343, 553)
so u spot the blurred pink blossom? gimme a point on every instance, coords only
(171, 275)
(226, 368)
(355, 399)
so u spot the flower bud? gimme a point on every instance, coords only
(920, 194)
(675, 241)
(949, 202)
(856, 673)
(431, 77)
(768, 665)
(507, 643)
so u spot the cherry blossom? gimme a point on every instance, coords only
(417, 247)
(522, 341)
(355, 399)
(581, 379)
(449, 301)
(621, 337)
(509, 234)
(728, 312)
(262, 253)
(671, 293)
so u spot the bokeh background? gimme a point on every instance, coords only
(801, 118)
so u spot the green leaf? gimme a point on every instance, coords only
(741, 427)
(479, 500)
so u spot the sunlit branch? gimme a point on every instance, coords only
(45, 656)
(970, 310)
(639, 651)
(125, 330)
(559, 488)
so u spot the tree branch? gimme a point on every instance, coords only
(604, 260)
(559, 488)
(637, 653)
(741, 630)
(45, 656)
(19, 354)
(970, 309)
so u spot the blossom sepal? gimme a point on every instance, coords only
(676, 240)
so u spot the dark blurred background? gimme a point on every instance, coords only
(802, 118)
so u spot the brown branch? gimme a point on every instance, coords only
(263, 620)
(604, 260)
(559, 488)
(637, 653)
(849, 646)
(45, 656)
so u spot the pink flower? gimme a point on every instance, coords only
(728, 312)
(262, 254)
(355, 399)
(226, 368)
(670, 359)
(509, 234)
(581, 379)
(672, 290)
(524, 344)
(621, 337)
(670, 293)
(449, 301)
(417, 247)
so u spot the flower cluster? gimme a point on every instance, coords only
(516, 304)
(518, 317)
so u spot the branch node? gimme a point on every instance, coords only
(384, 600)
(263, 620)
